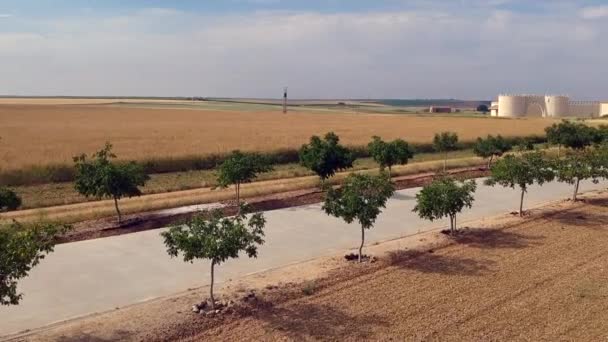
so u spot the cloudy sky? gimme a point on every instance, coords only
(470, 49)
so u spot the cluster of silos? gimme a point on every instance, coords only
(557, 106)
(533, 105)
(512, 105)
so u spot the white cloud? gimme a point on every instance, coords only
(595, 12)
(5, 15)
(417, 53)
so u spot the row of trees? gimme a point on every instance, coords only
(361, 197)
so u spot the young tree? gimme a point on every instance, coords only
(325, 157)
(9, 200)
(387, 154)
(570, 134)
(215, 238)
(445, 142)
(241, 168)
(21, 248)
(574, 167)
(522, 171)
(445, 197)
(99, 177)
(491, 147)
(361, 197)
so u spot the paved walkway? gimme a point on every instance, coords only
(98, 275)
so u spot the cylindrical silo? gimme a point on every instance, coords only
(557, 106)
(511, 105)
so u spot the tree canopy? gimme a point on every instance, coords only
(482, 108)
(491, 147)
(325, 156)
(587, 164)
(9, 200)
(445, 197)
(99, 177)
(21, 248)
(571, 134)
(360, 198)
(240, 168)
(521, 171)
(211, 236)
(387, 154)
(444, 142)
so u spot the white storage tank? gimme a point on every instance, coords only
(557, 106)
(511, 105)
(603, 108)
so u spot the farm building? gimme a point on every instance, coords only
(550, 106)
(435, 109)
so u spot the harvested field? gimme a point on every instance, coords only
(46, 134)
(541, 278)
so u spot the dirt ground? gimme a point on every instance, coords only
(48, 134)
(539, 278)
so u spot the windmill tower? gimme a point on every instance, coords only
(285, 100)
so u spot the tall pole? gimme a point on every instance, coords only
(285, 100)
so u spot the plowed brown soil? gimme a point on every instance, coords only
(543, 278)
(546, 279)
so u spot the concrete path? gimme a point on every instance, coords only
(98, 275)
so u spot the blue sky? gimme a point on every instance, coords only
(322, 49)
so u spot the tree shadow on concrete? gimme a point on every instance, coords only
(303, 321)
(495, 238)
(119, 335)
(428, 262)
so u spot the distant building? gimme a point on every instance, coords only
(546, 106)
(435, 109)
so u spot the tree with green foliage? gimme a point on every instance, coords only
(577, 166)
(482, 108)
(241, 168)
(445, 142)
(360, 198)
(99, 177)
(445, 197)
(9, 200)
(211, 236)
(387, 154)
(491, 147)
(522, 171)
(570, 134)
(325, 156)
(21, 248)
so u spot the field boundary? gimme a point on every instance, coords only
(62, 172)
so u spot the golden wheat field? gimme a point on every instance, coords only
(42, 134)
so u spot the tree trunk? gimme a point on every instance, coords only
(117, 210)
(521, 203)
(445, 161)
(490, 161)
(455, 227)
(559, 147)
(451, 223)
(237, 187)
(389, 172)
(211, 286)
(362, 242)
(576, 185)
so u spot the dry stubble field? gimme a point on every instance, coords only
(44, 133)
